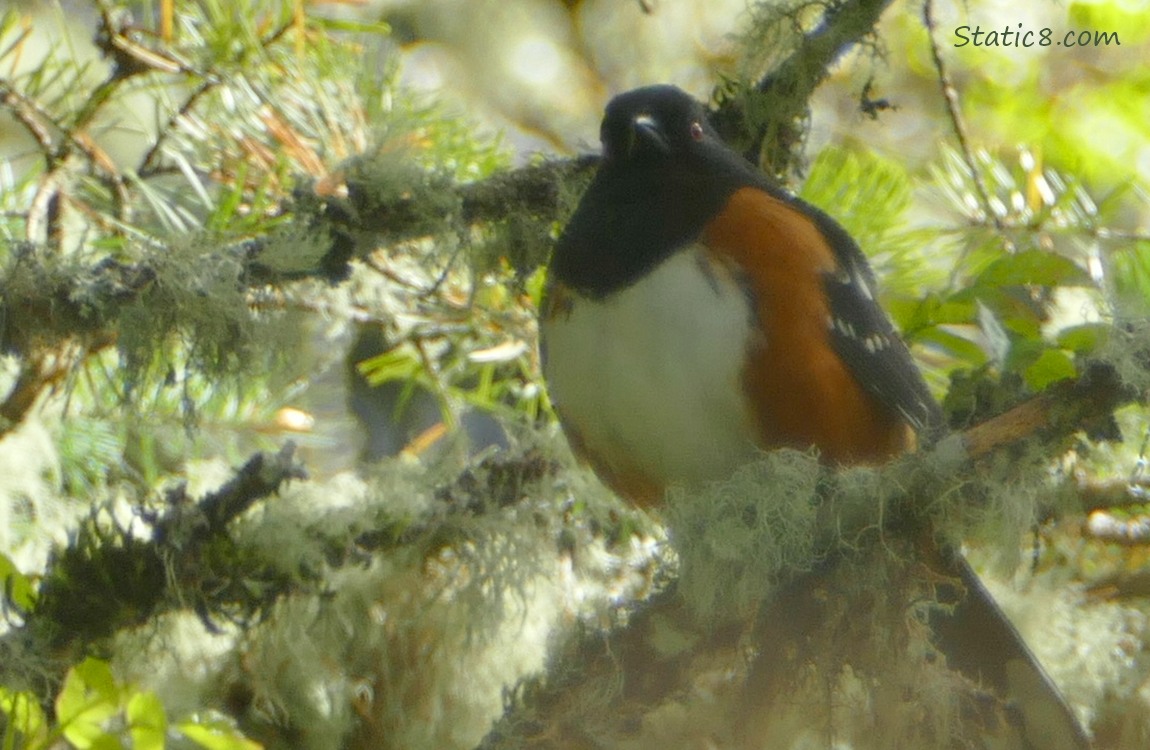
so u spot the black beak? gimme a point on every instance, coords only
(646, 134)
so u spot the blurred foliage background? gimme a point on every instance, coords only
(223, 227)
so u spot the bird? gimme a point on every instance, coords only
(696, 314)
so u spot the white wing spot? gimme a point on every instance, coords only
(858, 278)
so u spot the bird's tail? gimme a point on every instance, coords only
(978, 641)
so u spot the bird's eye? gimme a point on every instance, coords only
(697, 131)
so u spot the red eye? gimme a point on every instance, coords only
(697, 131)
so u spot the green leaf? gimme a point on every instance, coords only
(229, 202)
(932, 310)
(1051, 366)
(15, 585)
(1132, 276)
(106, 741)
(956, 346)
(1083, 339)
(535, 284)
(216, 736)
(1034, 267)
(147, 722)
(1024, 352)
(24, 716)
(87, 701)
(1131, 18)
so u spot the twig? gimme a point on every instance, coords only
(38, 373)
(28, 114)
(148, 164)
(1118, 234)
(954, 112)
(107, 579)
(1130, 532)
(1133, 584)
(1056, 412)
(40, 124)
(261, 476)
(534, 190)
(1118, 493)
(785, 92)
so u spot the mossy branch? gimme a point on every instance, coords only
(1054, 413)
(108, 578)
(620, 679)
(426, 207)
(43, 321)
(766, 120)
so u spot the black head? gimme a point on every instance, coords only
(655, 123)
(665, 173)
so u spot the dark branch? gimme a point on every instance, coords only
(534, 191)
(260, 477)
(771, 113)
(108, 578)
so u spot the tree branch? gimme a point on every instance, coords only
(771, 113)
(86, 303)
(629, 679)
(107, 578)
(1053, 414)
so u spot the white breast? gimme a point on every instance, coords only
(650, 377)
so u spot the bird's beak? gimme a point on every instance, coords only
(646, 133)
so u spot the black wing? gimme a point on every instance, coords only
(865, 338)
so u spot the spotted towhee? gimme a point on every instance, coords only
(696, 314)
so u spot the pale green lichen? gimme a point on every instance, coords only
(736, 538)
(1127, 350)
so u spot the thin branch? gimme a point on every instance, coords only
(29, 114)
(1117, 234)
(534, 190)
(1128, 532)
(1054, 413)
(261, 477)
(1124, 584)
(954, 112)
(41, 371)
(40, 124)
(108, 579)
(1115, 493)
(148, 164)
(1013, 225)
(786, 91)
